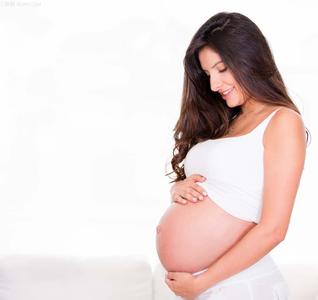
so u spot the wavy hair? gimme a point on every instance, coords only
(245, 51)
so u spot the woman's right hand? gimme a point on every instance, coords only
(187, 190)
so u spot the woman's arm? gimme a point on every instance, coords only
(284, 157)
(252, 247)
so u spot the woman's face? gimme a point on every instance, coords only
(221, 78)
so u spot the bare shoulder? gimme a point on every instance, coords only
(285, 125)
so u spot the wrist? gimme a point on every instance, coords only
(171, 188)
(203, 282)
(200, 284)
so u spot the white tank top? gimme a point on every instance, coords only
(234, 171)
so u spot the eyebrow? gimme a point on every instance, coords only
(214, 64)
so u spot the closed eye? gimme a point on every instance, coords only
(221, 71)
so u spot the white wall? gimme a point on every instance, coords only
(89, 94)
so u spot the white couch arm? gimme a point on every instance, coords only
(70, 278)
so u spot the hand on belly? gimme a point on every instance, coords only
(190, 237)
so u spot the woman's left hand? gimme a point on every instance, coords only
(183, 284)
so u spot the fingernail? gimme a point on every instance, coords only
(204, 193)
(200, 197)
(194, 199)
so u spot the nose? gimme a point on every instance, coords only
(215, 83)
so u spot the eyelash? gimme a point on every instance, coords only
(221, 71)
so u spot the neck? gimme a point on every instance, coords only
(252, 107)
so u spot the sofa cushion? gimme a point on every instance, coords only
(70, 278)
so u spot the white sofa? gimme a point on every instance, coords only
(27, 277)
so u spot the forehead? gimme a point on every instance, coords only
(208, 57)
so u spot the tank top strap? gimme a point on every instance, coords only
(262, 126)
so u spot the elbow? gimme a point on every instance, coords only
(275, 235)
(278, 237)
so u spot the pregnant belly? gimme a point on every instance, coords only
(191, 237)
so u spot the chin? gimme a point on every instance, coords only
(234, 102)
(231, 103)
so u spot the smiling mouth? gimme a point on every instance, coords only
(227, 93)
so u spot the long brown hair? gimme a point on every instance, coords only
(245, 51)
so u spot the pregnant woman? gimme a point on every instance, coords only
(242, 142)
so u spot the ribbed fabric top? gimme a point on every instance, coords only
(234, 171)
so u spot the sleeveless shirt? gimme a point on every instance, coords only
(234, 171)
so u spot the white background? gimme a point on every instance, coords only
(89, 94)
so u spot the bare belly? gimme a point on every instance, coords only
(191, 237)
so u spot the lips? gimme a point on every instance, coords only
(227, 92)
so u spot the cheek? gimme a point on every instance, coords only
(240, 96)
(238, 93)
(229, 79)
